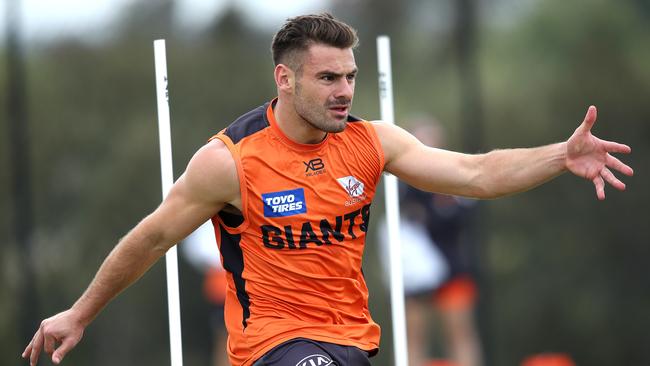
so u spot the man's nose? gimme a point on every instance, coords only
(345, 89)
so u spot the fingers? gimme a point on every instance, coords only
(606, 175)
(40, 341)
(599, 183)
(37, 343)
(615, 147)
(28, 349)
(610, 178)
(590, 119)
(48, 344)
(614, 163)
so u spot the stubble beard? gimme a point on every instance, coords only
(316, 116)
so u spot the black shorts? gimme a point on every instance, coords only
(305, 352)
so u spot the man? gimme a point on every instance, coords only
(288, 187)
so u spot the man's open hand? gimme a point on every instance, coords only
(590, 157)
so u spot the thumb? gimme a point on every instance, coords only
(57, 357)
(590, 119)
(62, 350)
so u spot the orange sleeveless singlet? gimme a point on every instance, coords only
(294, 256)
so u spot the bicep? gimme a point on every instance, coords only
(427, 168)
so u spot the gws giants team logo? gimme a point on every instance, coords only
(354, 187)
(316, 360)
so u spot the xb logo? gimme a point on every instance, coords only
(314, 165)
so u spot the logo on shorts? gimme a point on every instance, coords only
(284, 203)
(315, 360)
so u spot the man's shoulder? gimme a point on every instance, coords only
(212, 172)
(248, 124)
(214, 154)
(361, 130)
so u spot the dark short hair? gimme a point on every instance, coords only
(300, 32)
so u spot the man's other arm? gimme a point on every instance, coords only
(209, 182)
(502, 172)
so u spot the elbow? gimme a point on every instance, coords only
(483, 192)
(491, 195)
(485, 180)
(478, 186)
(490, 190)
(484, 188)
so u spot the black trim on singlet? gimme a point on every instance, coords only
(352, 118)
(248, 124)
(233, 258)
(230, 219)
(233, 262)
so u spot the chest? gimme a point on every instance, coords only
(287, 185)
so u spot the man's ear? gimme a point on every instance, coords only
(285, 78)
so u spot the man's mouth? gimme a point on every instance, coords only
(340, 109)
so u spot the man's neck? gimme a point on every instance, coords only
(294, 126)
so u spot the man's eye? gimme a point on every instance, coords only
(327, 77)
(351, 77)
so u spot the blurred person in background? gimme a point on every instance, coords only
(438, 267)
(200, 249)
(289, 187)
(548, 359)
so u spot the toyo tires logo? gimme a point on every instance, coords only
(284, 203)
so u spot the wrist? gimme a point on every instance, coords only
(81, 313)
(563, 154)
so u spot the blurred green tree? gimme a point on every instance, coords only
(564, 272)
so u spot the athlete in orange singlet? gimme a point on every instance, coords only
(289, 186)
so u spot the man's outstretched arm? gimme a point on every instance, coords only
(502, 172)
(209, 182)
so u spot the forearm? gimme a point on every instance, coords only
(127, 262)
(504, 172)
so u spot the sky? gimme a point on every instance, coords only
(43, 19)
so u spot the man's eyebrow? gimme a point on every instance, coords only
(337, 74)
